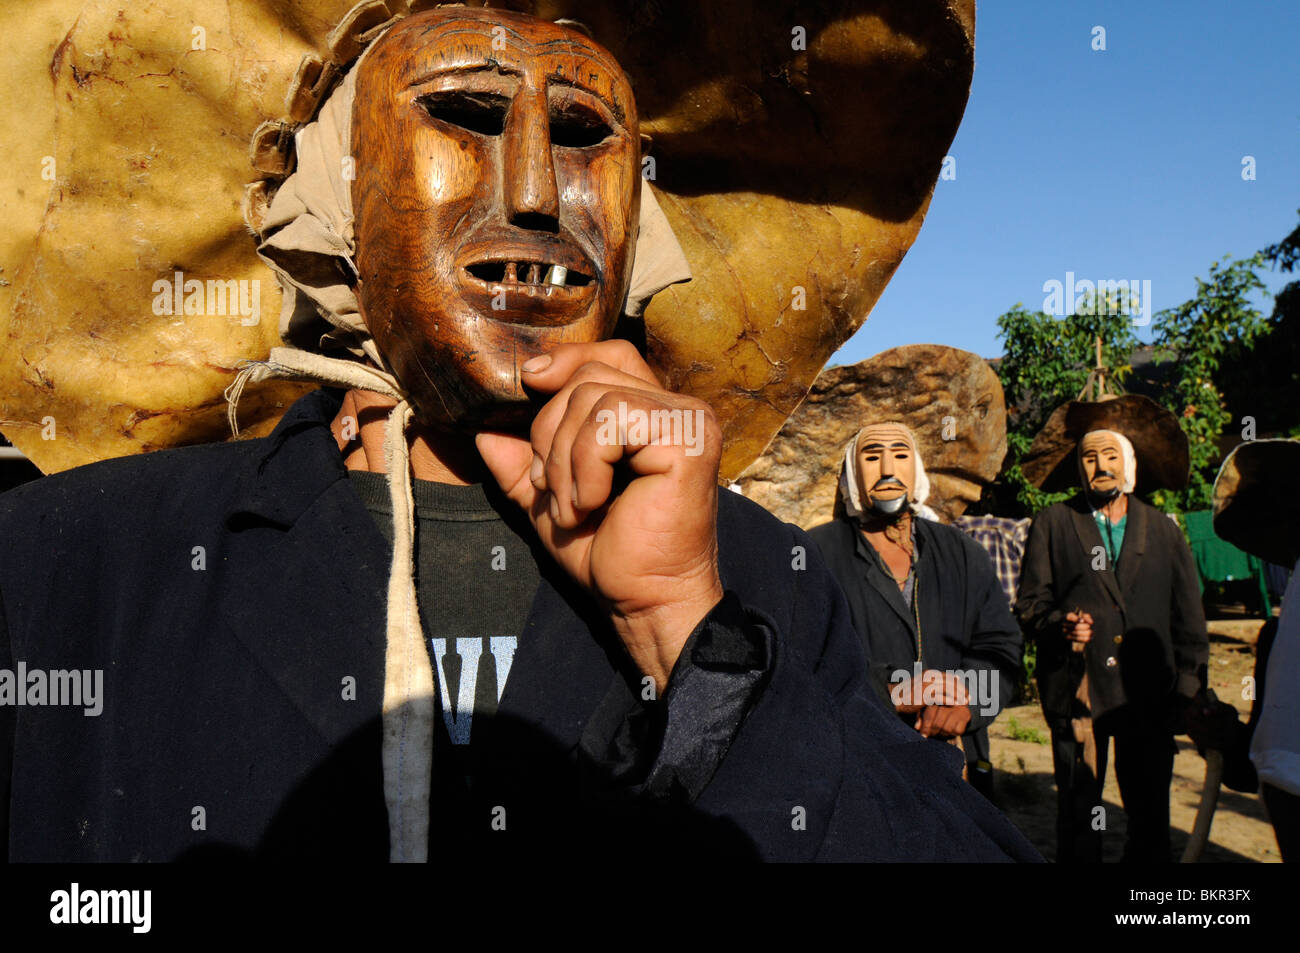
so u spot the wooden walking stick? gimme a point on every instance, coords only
(1205, 812)
(1081, 723)
(1213, 725)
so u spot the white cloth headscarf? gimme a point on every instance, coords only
(849, 479)
(1129, 479)
(310, 245)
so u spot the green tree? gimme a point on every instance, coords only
(1285, 255)
(1266, 385)
(1199, 339)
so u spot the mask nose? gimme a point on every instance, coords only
(532, 197)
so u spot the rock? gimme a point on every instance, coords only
(950, 399)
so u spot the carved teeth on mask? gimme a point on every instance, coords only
(525, 273)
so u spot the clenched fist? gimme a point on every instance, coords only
(620, 480)
(1077, 627)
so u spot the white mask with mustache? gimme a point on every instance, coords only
(1129, 479)
(853, 498)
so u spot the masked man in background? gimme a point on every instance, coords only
(1109, 592)
(943, 648)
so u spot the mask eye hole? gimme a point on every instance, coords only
(575, 127)
(480, 113)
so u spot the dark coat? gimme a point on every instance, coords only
(1148, 632)
(223, 684)
(965, 622)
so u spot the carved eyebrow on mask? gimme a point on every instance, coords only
(896, 445)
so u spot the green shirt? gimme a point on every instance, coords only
(1112, 534)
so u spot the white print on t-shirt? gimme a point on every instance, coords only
(460, 717)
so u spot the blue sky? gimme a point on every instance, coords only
(1122, 163)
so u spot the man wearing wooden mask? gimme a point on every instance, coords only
(584, 648)
(1108, 589)
(944, 649)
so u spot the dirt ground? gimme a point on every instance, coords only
(1024, 789)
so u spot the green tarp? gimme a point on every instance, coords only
(1219, 561)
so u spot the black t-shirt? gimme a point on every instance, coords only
(476, 579)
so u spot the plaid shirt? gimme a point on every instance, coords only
(1004, 539)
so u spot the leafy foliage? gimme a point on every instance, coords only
(1285, 255)
(1019, 732)
(1267, 386)
(1199, 337)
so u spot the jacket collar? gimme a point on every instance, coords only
(283, 476)
(879, 580)
(305, 572)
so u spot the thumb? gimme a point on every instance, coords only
(509, 459)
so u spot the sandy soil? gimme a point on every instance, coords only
(1025, 791)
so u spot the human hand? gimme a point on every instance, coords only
(934, 687)
(1077, 626)
(943, 721)
(632, 518)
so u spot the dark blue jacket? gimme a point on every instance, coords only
(231, 592)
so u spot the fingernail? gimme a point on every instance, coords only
(536, 365)
(537, 471)
(555, 508)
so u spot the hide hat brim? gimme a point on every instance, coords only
(1256, 507)
(1158, 443)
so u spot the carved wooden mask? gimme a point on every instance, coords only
(497, 195)
(1102, 459)
(886, 468)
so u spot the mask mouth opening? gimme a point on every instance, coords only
(536, 273)
(528, 284)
